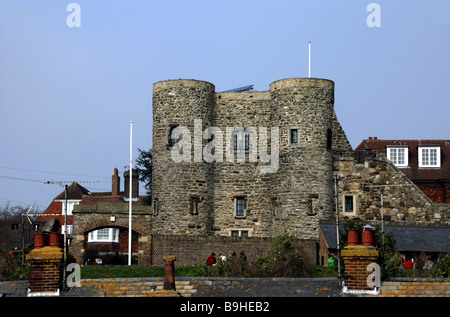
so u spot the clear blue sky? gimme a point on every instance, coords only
(67, 95)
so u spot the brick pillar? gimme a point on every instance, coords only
(45, 276)
(357, 259)
(169, 272)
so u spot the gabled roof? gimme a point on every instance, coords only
(408, 238)
(413, 172)
(74, 191)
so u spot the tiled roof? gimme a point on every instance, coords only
(413, 171)
(74, 191)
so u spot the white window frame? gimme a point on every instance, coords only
(109, 234)
(70, 204)
(69, 229)
(394, 155)
(353, 212)
(424, 156)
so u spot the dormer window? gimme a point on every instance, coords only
(429, 156)
(398, 155)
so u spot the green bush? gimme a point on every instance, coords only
(282, 260)
(11, 268)
(443, 269)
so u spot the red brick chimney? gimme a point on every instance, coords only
(115, 183)
(135, 184)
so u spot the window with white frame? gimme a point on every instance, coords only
(70, 204)
(349, 204)
(429, 156)
(104, 235)
(398, 155)
(69, 229)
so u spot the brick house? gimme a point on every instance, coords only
(57, 208)
(101, 222)
(425, 162)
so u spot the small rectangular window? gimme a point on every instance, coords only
(348, 204)
(69, 229)
(240, 207)
(239, 233)
(193, 204)
(241, 142)
(15, 226)
(293, 136)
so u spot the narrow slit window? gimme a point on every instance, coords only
(294, 136)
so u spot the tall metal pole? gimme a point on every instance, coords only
(309, 61)
(65, 236)
(131, 192)
(336, 177)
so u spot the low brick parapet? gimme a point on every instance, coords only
(415, 287)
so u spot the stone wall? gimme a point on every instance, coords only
(403, 202)
(193, 250)
(196, 197)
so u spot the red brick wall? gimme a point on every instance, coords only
(439, 194)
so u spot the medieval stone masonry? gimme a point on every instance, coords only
(232, 198)
(232, 169)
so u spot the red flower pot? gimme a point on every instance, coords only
(352, 237)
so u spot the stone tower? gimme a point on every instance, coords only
(182, 191)
(196, 196)
(302, 188)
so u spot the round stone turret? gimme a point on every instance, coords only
(181, 190)
(302, 108)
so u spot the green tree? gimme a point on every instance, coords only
(443, 269)
(144, 167)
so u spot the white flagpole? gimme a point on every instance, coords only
(131, 191)
(309, 62)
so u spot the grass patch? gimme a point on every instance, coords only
(119, 271)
